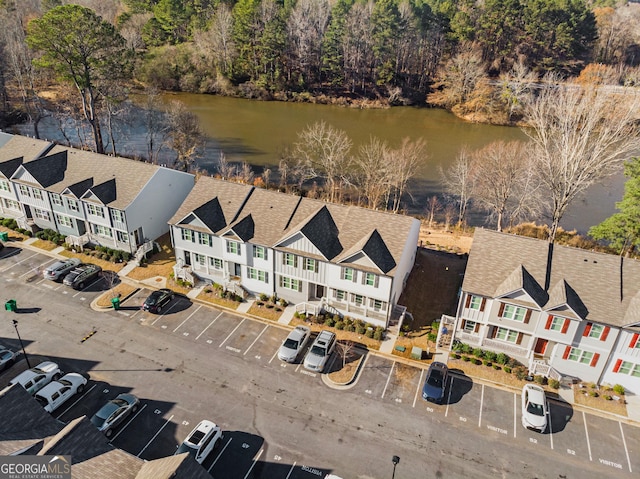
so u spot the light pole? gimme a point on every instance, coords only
(395, 460)
(15, 325)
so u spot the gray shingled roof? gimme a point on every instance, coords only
(520, 278)
(278, 216)
(9, 167)
(377, 251)
(105, 192)
(80, 188)
(211, 215)
(244, 228)
(48, 170)
(604, 288)
(180, 466)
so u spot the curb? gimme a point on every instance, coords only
(356, 375)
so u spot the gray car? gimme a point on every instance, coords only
(320, 351)
(293, 345)
(7, 358)
(112, 414)
(59, 269)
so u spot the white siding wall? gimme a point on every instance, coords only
(405, 265)
(623, 351)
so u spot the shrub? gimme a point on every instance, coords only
(496, 367)
(554, 384)
(520, 373)
(618, 389)
(593, 385)
(126, 256)
(264, 297)
(540, 379)
(476, 361)
(369, 333)
(435, 325)
(329, 322)
(507, 369)
(486, 362)
(457, 346)
(454, 355)
(284, 303)
(339, 325)
(478, 352)
(593, 394)
(278, 309)
(360, 327)
(378, 334)
(466, 349)
(296, 315)
(347, 321)
(502, 358)
(350, 327)
(491, 356)
(274, 298)
(432, 337)
(607, 397)
(336, 317)
(466, 359)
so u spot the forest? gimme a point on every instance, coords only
(565, 69)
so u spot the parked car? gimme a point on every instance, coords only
(320, 351)
(294, 343)
(82, 275)
(112, 414)
(56, 393)
(60, 269)
(534, 407)
(36, 378)
(158, 300)
(7, 358)
(201, 441)
(435, 382)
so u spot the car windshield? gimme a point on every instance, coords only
(65, 382)
(535, 409)
(5, 354)
(291, 344)
(153, 299)
(435, 378)
(318, 350)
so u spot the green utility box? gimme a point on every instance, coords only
(416, 353)
(4, 236)
(115, 302)
(11, 305)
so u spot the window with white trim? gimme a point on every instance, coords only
(72, 204)
(348, 274)
(37, 194)
(514, 313)
(117, 216)
(310, 264)
(187, 235)
(556, 324)
(122, 236)
(41, 214)
(476, 302)
(64, 221)
(258, 274)
(580, 356)
(24, 190)
(101, 230)
(596, 331)
(469, 326)
(290, 283)
(259, 252)
(56, 199)
(507, 335)
(378, 305)
(216, 263)
(627, 367)
(4, 185)
(11, 204)
(95, 210)
(357, 299)
(205, 239)
(370, 279)
(339, 294)
(233, 247)
(200, 259)
(290, 259)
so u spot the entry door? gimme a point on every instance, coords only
(187, 258)
(319, 291)
(237, 269)
(541, 346)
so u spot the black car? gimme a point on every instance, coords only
(82, 275)
(436, 382)
(158, 300)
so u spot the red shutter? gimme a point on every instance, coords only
(477, 328)
(549, 321)
(494, 331)
(519, 340)
(634, 340)
(464, 323)
(587, 330)
(594, 360)
(501, 309)
(468, 302)
(567, 350)
(527, 316)
(565, 325)
(484, 300)
(605, 333)
(617, 365)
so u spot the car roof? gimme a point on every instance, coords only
(536, 393)
(438, 365)
(200, 431)
(324, 336)
(298, 333)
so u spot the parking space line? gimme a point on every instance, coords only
(446, 411)
(75, 402)
(515, 413)
(291, 470)
(418, 389)
(220, 453)
(388, 379)
(129, 422)
(188, 317)
(550, 428)
(214, 320)
(274, 356)
(16, 264)
(258, 337)
(158, 318)
(586, 432)
(481, 403)
(255, 459)
(155, 435)
(234, 330)
(624, 442)
(88, 286)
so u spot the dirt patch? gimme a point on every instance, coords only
(88, 258)
(452, 240)
(272, 313)
(345, 373)
(213, 298)
(45, 245)
(122, 289)
(602, 398)
(13, 235)
(158, 264)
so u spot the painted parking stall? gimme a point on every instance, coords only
(374, 376)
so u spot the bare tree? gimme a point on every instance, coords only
(131, 30)
(155, 123)
(433, 207)
(580, 136)
(225, 169)
(372, 171)
(357, 45)
(449, 213)
(514, 85)
(323, 152)
(305, 28)
(458, 182)
(344, 349)
(216, 43)
(403, 163)
(185, 136)
(246, 174)
(266, 176)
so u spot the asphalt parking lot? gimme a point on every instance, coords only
(157, 428)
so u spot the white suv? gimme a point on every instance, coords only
(36, 378)
(56, 393)
(201, 441)
(321, 349)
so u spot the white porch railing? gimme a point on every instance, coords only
(143, 249)
(183, 272)
(471, 339)
(309, 308)
(539, 367)
(508, 348)
(236, 288)
(77, 241)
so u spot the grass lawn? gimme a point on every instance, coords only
(213, 298)
(159, 264)
(45, 245)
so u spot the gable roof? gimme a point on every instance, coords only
(9, 167)
(105, 192)
(323, 232)
(211, 215)
(47, 170)
(78, 189)
(244, 228)
(16, 146)
(521, 279)
(596, 286)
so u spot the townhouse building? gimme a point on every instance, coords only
(89, 198)
(343, 259)
(563, 311)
